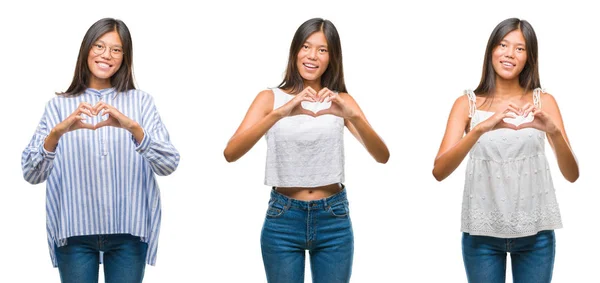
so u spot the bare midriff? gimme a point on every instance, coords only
(307, 194)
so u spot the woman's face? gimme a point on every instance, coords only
(313, 57)
(510, 56)
(104, 59)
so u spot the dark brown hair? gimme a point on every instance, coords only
(529, 78)
(333, 77)
(122, 80)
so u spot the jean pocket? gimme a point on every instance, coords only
(275, 209)
(339, 209)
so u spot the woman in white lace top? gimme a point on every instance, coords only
(509, 203)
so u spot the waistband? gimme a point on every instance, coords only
(312, 204)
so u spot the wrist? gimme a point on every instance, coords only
(354, 118)
(55, 134)
(555, 134)
(277, 114)
(478, 131)
(134, 127)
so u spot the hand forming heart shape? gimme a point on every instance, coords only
(96, 113)
(519, 120)
(109, 116)
(315, 106)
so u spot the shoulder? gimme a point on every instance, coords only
(264, 100)
(60, 100)
(138, 93)
(547, 99)
(462, 102)
(346, 96)
(266, 94)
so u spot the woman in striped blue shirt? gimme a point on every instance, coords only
(98, 146)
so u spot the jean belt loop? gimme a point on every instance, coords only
(288, 204)
(325, 203)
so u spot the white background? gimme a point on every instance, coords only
(204, 64)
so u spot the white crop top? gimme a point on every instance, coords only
(304, 151)
(508, 188)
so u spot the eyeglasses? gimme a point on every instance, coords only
(115, 51)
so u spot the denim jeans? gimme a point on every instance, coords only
(532, 258)
(124, 258)
(322, 227)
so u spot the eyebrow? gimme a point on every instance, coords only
(322, 45)
(518, 43)
(100, 41)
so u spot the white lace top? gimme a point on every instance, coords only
(508, 189)
(304, 151)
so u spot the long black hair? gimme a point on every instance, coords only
(122, 80)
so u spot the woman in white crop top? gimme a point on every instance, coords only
(302, 121)
(509, 203)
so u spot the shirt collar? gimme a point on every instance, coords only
(101, 92)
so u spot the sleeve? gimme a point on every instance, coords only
(156, 147)
(36, 161)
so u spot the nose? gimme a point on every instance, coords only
(312, 54)
(509, 53)
(106, 54)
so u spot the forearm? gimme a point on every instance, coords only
(137, 131)
(242, 142)
(36, 161)
(564, 155)
(157, 149)
(372, 142)
(446, 163)
(51, 141)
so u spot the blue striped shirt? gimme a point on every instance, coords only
(102, 181)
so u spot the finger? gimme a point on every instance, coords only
(312, 93)
(84, 110)
(303, 96)
(323, 93)
(513, 108)
(86, 126)
(538, 112)
(101, 105)
(309, 91)
(530, 108)
(503, 125)
(307, 98)
(299, 110)
(324, 112)
(335, 97)
(85, 105)
(106, 111)
(102, 124)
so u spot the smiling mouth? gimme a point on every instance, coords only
(103, 65)
(310, 66)
(507, 64)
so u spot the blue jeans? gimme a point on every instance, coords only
(322, 227)
(532, 258)
(124, 258)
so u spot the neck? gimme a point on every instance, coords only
(508, 88)
(316, 84)
(96, 83)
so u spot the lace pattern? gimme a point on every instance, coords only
(508, 188)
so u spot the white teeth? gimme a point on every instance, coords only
(310, 65)
(103, 65)
(507, 64)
